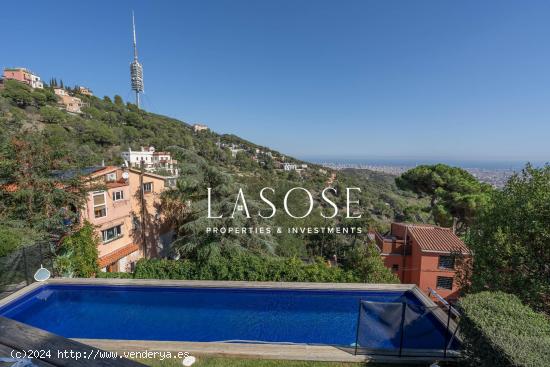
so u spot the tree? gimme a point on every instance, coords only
(52, 115)
(99, 133)
(78, 255)
(366, 262)
(37, 196)
(511, 239)
(455, 195)
(186, 208)
(107, 99)
(18, 93)
(118, 100)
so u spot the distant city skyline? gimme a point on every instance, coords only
(430, 80)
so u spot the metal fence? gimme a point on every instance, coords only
(404, 329)
(18, 267)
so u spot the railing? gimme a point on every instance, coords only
(18, 267)
(405, 329)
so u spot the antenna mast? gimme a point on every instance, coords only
(136, 69)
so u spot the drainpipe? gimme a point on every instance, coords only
(404, 254)
(455, 220)
(142, 199)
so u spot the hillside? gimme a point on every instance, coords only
(37, 137)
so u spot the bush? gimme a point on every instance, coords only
(18, 93)
(77, 256)
(243, 266)
(120, 275)
(499, 330)
(9, 241)
(52, 115)
(369, 267)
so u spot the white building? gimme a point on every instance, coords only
(234, 151)
(36, 82)
(199, 127)
(153, 161)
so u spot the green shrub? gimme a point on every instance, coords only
(9, 241)
(119, 275)
(243, 266)
(17, 93)
(77, 256)
(501, 331)
(52, 115)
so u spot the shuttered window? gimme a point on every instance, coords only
(444, 283)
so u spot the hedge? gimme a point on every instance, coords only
(243, 267)
(499, 330)
(116, 275)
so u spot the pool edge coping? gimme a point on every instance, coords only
(291, 352)
(219, 284)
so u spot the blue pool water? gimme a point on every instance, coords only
(215, 314)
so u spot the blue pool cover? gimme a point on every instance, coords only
(221, 314)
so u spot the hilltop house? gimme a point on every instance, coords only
(24, 76)
(70, 103)
(128, 230)
(199, 127)
(426, 255)
(85, 91)
(153, 161)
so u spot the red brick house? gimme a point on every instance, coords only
(426, 255)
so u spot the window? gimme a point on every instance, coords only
(148, 187)
(100, 209)
(444, 283)
(109, 177)
(446, 262)
(118, 195)
(395, 268)
(111, 233)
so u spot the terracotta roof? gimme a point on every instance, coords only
(115, 184)
(104, 170)
(437, 239)
(117, 255)
(145, 173)
(11, 187)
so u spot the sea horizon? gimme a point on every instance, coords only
(496, 164)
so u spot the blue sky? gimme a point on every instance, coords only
(398, 79)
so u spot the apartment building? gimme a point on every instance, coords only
(426, 255)
(110, 211)
(128, 230)
(153, 161)
(70, 103)
(23, 75)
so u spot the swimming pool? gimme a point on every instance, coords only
(213, 314)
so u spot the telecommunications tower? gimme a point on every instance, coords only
(136, 70)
